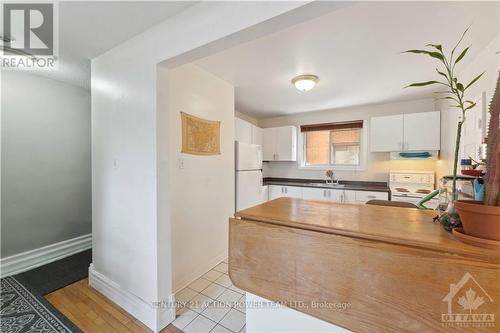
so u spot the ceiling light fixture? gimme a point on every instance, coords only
(305, 82)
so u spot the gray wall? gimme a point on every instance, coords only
(46, 173)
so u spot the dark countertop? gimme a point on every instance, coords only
(349, 185)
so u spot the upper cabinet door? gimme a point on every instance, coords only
(286, 143)
(422, 131)
(257, 135)
(268, 144)
(242, 130)
(386, 133)
(280, 143)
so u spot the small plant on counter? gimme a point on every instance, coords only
(455, 91)
(329, 175)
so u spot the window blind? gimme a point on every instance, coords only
(332, 126)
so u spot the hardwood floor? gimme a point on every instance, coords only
(92, 312)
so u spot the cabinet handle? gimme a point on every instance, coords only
(372, 196)
(324, 193)
(281, 189)
(286, 189)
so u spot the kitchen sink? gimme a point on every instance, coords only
(325, 184)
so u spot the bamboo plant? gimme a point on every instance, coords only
(455, 91)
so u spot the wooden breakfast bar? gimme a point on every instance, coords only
(396, 268)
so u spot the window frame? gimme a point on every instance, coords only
(362, 153)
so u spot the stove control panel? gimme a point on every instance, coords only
(411, 181)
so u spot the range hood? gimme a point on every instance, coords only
(415, 155)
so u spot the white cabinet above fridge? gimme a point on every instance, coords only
(247, 132)
(280, 143)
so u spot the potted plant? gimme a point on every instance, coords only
(483, 219)
(455, 92)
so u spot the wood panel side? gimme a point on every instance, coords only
(389, 288)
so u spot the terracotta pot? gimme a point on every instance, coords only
(479, 220)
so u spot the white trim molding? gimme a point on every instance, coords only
(25, 261)
(155, 316)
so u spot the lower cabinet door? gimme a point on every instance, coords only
(336, 195)
(309, 193)
(275, 191)
(349, 196)
(293, 192)
(278, 191)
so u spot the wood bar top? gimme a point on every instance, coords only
(404, 226)
(398, 270)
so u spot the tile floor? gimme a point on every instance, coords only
(211, 304)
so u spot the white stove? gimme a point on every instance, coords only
(412, 186)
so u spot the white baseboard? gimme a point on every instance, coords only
(200, 270)
(31, 259)
(154, 317)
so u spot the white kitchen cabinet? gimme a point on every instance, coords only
(280, 143)
(293, 192)
(335, 195)
(268, 145)
(422, 131)
(311, 193)
(247, 132)
(349, 196)
(406, 132)
(257, 134)
(278, 191)
(325, 194)
(386, 133)
(242, 130)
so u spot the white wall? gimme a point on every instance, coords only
(202, 193)
(377, 164)
(487, 60)
(46, 176)
(131, 237)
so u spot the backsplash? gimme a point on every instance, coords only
(378, 170)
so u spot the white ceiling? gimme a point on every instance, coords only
(90, 28)
(355, 50)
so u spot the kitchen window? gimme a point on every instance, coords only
(332, 144)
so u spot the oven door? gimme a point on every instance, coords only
(406, 198)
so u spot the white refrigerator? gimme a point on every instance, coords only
(249, 187)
